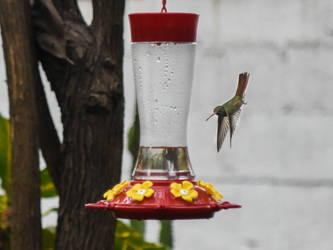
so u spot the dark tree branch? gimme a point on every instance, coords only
(107, 23)
(48, 138)
(68, 9)
(50, 29)
(74, 42)
(66, 44)
(108, 12)
(107, 26)
(61, 32)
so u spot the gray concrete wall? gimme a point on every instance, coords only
(280, 167)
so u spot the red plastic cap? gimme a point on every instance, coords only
(164, 27)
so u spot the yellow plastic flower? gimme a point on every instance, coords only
(184, 190)
(139, 191)
(111, 193)
(210, 189)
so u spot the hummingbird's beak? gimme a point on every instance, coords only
(211, 116)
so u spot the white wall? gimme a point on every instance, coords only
(280, 165)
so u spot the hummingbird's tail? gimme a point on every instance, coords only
(242, 83)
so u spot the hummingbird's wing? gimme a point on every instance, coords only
(233, 120)
(222, 130)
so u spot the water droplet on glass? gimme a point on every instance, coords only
(159, 86)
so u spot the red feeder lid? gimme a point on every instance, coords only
(164, 27)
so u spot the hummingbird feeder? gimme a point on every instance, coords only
(163, 184)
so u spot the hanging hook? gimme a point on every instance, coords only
(164, 7)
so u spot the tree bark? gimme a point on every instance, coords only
(84, 66)
(22, 76)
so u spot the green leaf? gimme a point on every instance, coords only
(53, 209)
(3, 203)
(139, 226)
(134, 138)
(47, 187)
(166, 237)
(4, 214)
(48, 238)
(127, 238)
(5, 154)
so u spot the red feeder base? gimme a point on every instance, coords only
(162, 205)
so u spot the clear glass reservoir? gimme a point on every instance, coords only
(163, 73)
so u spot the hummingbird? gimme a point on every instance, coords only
(228, 113)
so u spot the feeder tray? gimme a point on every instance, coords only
(163, 205)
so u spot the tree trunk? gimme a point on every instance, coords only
(22, 76)
(84, 65)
